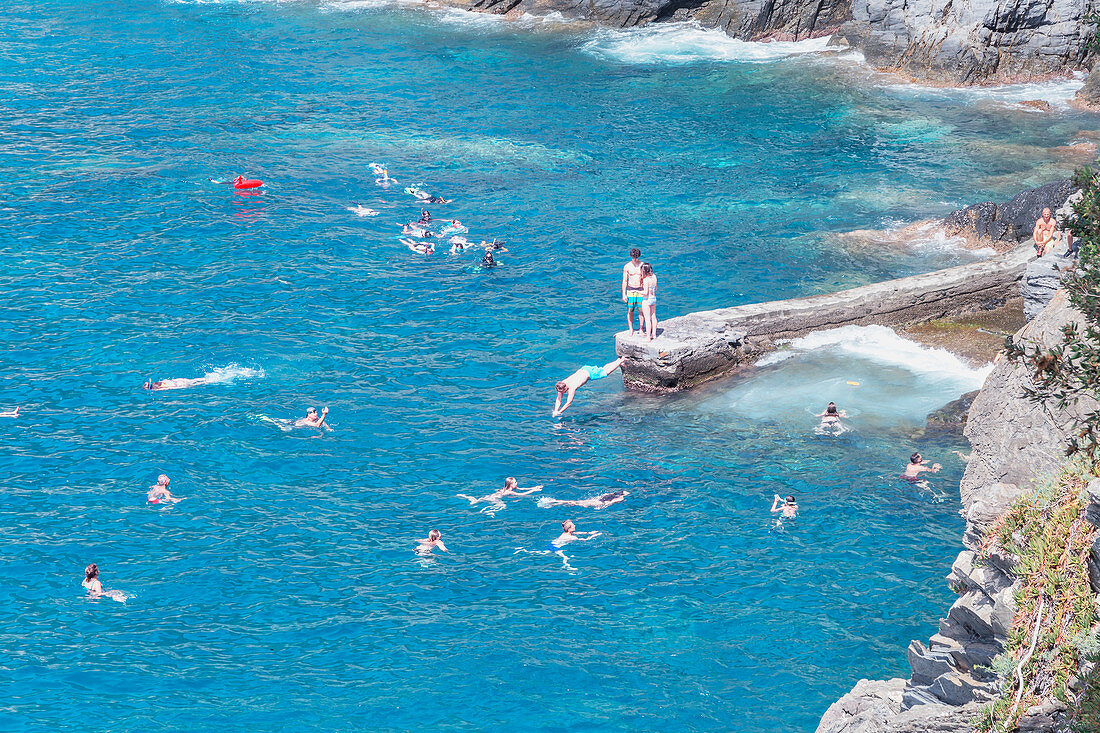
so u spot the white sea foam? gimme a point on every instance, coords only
(228, 373)
(682, 43)
(883, 346)
(1058, 92)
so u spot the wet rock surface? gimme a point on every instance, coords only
(1016, 442)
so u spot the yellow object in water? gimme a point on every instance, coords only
(854, 384)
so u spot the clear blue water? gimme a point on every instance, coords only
(283, 593)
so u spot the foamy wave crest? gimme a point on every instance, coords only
(1058, 92)
(685, 43)
(881, 345)
(228, 373)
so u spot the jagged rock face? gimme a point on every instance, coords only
(1003, 225)
(1016, 442)
(971, 41)
(748, 19)
(1088, 96)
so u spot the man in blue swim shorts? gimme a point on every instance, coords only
(578, 379)
(632, 288)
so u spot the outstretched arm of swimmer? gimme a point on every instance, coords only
(440, 545)
(591, 535)
(558, 407)
(324, 414)
(525, 492)
(10, 413)
(775, 502)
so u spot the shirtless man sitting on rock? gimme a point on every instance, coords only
(1046, 233)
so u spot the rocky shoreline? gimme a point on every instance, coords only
(956, 43)
(1014, 444)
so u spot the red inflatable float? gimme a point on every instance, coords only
(242, 182)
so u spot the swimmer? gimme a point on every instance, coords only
(488, 261)
(435, 200)
(379, 170)
(578, 379)
(160, 493)
(312, 420)
(423, 248)
(454, 226)
(831, 417)
(493, 246)
(179, 383)
(458, 244)
(433, 541)
(569, 534)
(417, 231)
(95, 588)
(511, 488)
(598, 502)
(360, 210)
(916, 467)
(91, 581)
(788, 509)
(425, 217)
(10, 413)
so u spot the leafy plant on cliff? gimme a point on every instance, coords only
(1047, 534)
(1070, 371)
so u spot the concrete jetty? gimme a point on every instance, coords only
(697, 347)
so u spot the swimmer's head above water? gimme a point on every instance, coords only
(435, 535)
(915, 458)
(163, 480)
(831, 408)
(90, 572)
(790, 500)
(567, 526)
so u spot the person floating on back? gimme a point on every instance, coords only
(10, 413)
(578, 379)
(632, 290)
(597, 502)
(495, 499)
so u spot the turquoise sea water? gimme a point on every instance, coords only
(283, 593)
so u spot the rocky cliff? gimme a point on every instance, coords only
(1015, 443)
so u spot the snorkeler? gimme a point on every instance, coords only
(916, 467)
(178, 383)
(598, 502)
(488, 261)
(578, 379)
(361, 210)
(569, 534)
(494, 246)
(435, 200)
(160, 492)
(788, 508)
(458, 244)
(425, 217)
(313, 420)
(423, 248)
(10, 413)
(511, 488)
(434, 540)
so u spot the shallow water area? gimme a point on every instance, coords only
(283, 592)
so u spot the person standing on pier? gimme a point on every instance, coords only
(632, 290)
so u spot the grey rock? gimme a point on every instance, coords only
(868, 708)
(951, 417)
(1009, 222)
(1042, 278)
(927, 664)
(970, 41)
(1088, 96)
(695, 347)
(935, 718)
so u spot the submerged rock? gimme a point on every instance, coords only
(952, 416)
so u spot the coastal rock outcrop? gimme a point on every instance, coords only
(1043, 275)
(1015, 443)
(971, 41)
(745, 19)
(1003, 225)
